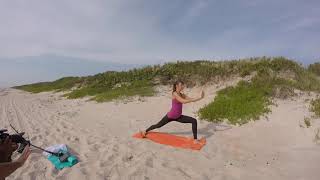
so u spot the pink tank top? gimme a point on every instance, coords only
(176, 110)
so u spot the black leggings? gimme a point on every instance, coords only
(182, 119)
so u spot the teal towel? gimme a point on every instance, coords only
(72, 160)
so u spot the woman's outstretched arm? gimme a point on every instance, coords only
(185, 99)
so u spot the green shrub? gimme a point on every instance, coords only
(307, 122)
(237, 104)
(315, 68)
(248, 100)
(315, 107)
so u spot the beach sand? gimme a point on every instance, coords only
(278, 146)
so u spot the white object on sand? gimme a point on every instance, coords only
(55, 148)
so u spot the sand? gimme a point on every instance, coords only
(278, 146)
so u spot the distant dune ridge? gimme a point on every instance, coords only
(17, 71)
(262, 79)
(283, 143)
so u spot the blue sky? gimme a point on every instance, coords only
(150, 32)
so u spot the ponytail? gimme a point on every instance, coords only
(174, 88)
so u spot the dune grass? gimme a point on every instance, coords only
(315, 107)
(58, 85)
(136, 88)
(307, 122)
(123, 93)
(275, 77)
(315, 68)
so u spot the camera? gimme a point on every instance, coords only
(16, 138)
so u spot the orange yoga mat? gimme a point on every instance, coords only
(172, 140)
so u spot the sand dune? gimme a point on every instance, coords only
(276, 147)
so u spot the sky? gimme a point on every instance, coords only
(104, 33)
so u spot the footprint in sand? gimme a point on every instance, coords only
(205, 177)
(33, 175)
(164, 164)
(127, 158)
(104, 163)
(86, 155)
(115, 148)
(89, 141)
(36, 137)
(54, 172)
(75, 139)
(95, 147)
(149, 162)
(112, 157)
(33, 138)
(37, 130)
(83, 171)
(38, 166)
(35, 158)
(47, 133)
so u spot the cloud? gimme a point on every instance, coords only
(153, 31)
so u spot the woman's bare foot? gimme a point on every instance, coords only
(143, 134)
(196, 141)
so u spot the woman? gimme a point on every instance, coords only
(175, 114)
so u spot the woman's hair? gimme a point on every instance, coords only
(175, 85)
